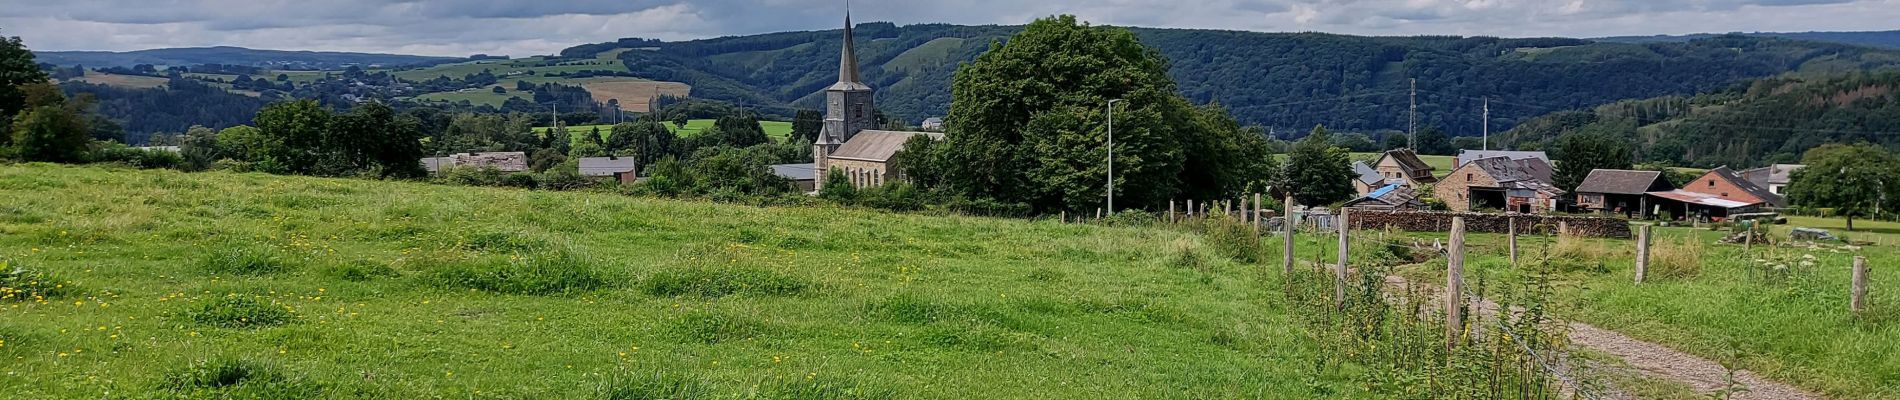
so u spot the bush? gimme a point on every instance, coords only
(522, 180)
(20, 284)
(894, 196)
(138, 158)
(710, 283)
(543, 274)
(234, 311)
(1231, 238)
(241, 260)
(471, 176)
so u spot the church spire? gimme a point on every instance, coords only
(848, 63)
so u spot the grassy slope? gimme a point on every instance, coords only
(1797, 331)
(777, 130)
(929, 307)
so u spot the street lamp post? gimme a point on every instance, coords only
(1111, 155)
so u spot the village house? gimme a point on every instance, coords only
(504, 161)
(619, 168)
(1403, 166)
(1497, 183)
(1620, 191)
(849, 141)
(1725, 183)
(1369, 179)
(1774, 177)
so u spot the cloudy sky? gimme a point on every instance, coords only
(530, 27)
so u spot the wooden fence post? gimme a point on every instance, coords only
(1455, 285)
(1190, 210)
(1063, 216)
(1286, 224)
(1748, 238)
(1642, 253)
(1339, 271)
(1259, 217)
(1243, 210)
(1563, 228)
(1512, 234)
(1170, 211)
(1859, 301)
(1098, 213)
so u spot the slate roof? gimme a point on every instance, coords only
(1367, 174)
(797, 172)
(1619, 181)
(1747, 186)
(1777, 174)
(606, 166)
(1467, 156)
(877, 146)
(1514, 175)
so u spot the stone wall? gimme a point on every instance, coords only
(1436, 221)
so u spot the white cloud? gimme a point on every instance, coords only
(513, 27)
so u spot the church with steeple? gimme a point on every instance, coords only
(850, 141)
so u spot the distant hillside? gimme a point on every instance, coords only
(1290, 81)
(1763, 122)
(230, 55)
(1882, 39)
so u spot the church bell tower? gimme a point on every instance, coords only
(848, 107)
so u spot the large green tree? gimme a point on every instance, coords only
(50, 133)
(1030, 124)
(301, 126)
(372, 137)
(1853, 180)
(1578, 154)
(1317, 172)
(17, 70)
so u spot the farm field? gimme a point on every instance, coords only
(1780, 311)
(168, 284)
(777, 130)
(125, 81)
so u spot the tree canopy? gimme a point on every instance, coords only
(1853, 180)
(1579, 154)
(1030, 125)
(1318, 173)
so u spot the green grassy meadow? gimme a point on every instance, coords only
(1718, 301)
(162, 284)
(777, 130)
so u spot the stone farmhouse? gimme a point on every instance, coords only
(1499, 183)
(619, 168)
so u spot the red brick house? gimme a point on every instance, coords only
(1726, 184)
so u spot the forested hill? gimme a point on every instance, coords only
(1290, 81)
(1883, 39)
(1763, 122)
(230, 56)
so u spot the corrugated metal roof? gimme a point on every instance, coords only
(1700, 198)
(606, 166)
(879, 146)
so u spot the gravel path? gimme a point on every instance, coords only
(1660, 362)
